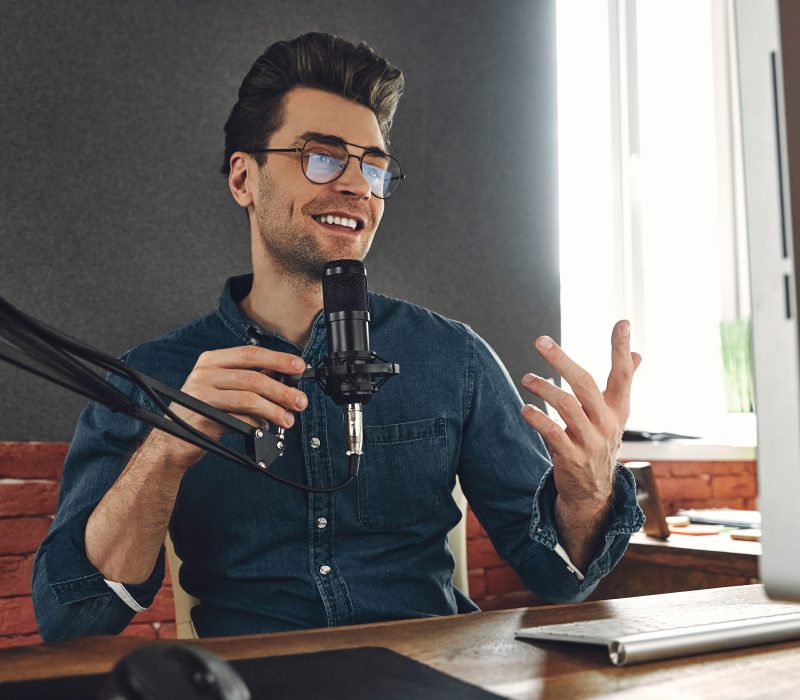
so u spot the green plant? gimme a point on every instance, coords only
(737, 364)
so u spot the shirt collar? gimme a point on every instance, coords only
(245, 328)
(236, 289)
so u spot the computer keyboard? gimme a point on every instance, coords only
(637, 638)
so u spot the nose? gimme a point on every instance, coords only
(352, 181)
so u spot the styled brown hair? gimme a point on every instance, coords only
(314, 60)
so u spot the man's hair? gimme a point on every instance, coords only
(314, 60)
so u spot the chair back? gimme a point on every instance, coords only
(458, 542)
(183, 601)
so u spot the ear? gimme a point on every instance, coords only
(241, 179)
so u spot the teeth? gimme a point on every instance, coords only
(338, 220)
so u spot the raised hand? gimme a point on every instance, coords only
(584, 452)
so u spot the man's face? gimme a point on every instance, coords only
(287, 205)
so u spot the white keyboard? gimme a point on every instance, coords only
(633, 639)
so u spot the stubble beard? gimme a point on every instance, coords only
(297, 254)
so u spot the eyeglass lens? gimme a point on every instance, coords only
(325, 160)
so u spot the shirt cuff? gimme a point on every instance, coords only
(126, 597)
(626, 519)
(558, 549)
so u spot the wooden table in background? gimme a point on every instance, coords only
(481, 649)
(681, 563)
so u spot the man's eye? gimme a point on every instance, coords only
(322, 158)
(374, 172)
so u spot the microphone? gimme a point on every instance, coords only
(346, 308)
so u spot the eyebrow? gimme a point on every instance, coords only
(300, 140)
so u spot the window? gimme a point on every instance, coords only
(651, 220)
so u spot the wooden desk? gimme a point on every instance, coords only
(681, 563)
(481, 649)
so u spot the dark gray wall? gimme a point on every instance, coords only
(116, 226)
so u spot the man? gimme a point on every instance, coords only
(307, 158)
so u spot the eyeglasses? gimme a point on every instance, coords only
(324, 160)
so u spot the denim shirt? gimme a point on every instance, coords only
(264, 557)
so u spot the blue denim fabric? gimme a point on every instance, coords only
(252, 548)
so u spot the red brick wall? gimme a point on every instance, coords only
(494, 585)
(29, 479)
(706, 485)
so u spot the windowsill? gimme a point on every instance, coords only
(732, 440)
(687, 451)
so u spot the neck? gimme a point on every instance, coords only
(281, 303)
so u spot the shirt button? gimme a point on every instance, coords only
(322, 523)
(253, 341)
(315, 443)
(324, 569)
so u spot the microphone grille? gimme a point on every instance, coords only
(344, 286)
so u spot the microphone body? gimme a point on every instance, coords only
(346, 308)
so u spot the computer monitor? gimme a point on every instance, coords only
(769, 92)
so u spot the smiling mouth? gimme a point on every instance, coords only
(342, 222)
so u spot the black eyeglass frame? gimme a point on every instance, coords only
(340, 142)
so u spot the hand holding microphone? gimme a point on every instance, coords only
(225, 379)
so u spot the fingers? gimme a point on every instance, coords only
(251, 404)
(252, 357)
(568, 407)
(589, 410)
(555, 438)
(623, 365)
(262, 384)
(228, 380)
(582, 383)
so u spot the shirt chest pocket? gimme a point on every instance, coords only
(402, 479)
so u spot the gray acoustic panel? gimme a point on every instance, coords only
(116, 225)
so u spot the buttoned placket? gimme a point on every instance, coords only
(319, 470)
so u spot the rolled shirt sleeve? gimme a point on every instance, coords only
(626, 519)
(71, 598)
(507, 477)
